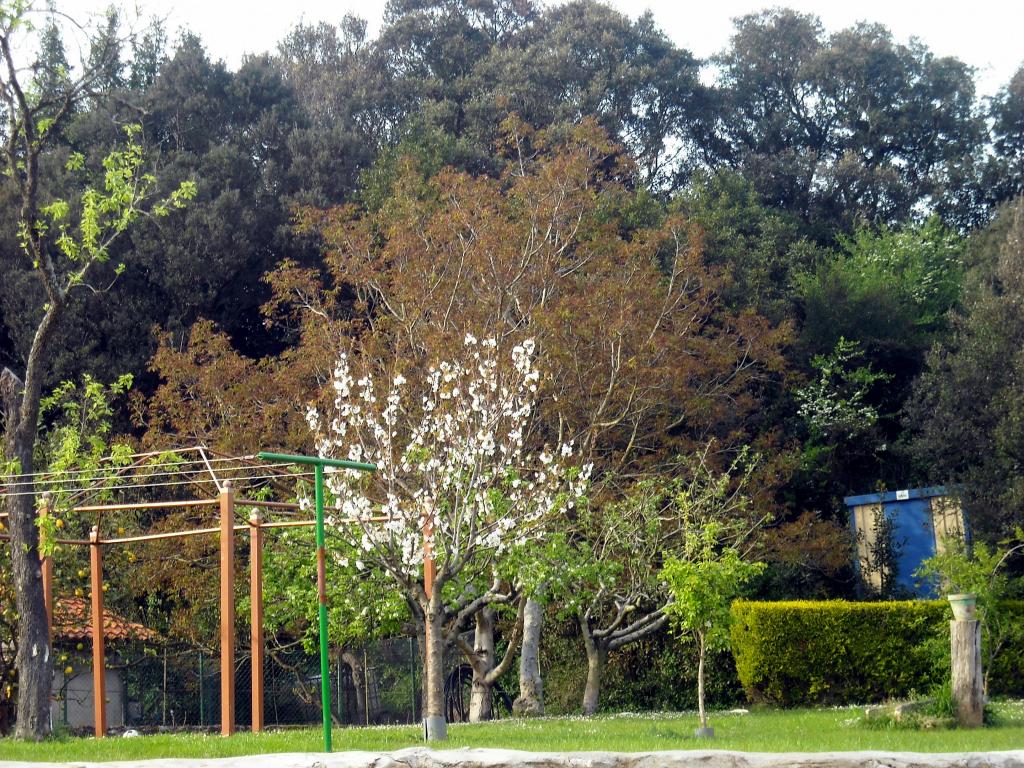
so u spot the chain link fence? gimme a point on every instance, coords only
(177, 687)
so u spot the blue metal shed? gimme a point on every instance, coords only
(919, 522)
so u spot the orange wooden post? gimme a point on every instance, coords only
(47, 567)
(99, 674)
(227, 610)
(256, 615)
(429, 569)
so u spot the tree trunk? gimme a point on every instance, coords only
(702, 650)
(481, 699)
(596, 658)
(356, 665)
(433, 674)
(34, 659)
(530, 702)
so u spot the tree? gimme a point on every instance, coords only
(340, 93)
(75, 437)
(63, 254)
(364, 605)
(585, 59)
(888, 293)
(652, 362)
(244, 138)
(462, 68)
(839, 415)
(429, 51)
(455, 473)
(1003, 178)
(845, 128)
(703, 582)
(965, 415)
(761, 248)
(619, 595)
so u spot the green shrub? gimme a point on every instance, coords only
(657, 673)
(839, 652)
(1006, 677)
(834, 652)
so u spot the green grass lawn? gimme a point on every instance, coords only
(760, 731)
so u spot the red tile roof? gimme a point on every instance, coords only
(72, 620)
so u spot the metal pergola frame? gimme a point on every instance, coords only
(256, 525)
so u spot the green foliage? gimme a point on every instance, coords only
(363, 604)
(982, 571)
(942, 696)
(826, 124)
(834, 407)
(759, 247)
(883, 555)
(887, 286)
(966, 414)
(659, 673)
(835, 652)
(656, 673)
(922, 262)
(77, 421)
(870, 313)
(838, 652)
(559, 570)
(703, 581)
(106, 210)
(1004, 172)
(76, 437)
(973, 569)
(424, 148)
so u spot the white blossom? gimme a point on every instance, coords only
(443, 467)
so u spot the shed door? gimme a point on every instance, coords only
(914, 539)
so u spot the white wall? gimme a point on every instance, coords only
(79, 699)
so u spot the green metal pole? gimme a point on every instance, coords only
(321, 583)
(318, 464)
(316, 461)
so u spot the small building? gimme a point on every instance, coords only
(71, 703)
(896, 531)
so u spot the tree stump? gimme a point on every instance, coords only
(968, 691)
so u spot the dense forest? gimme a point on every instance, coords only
(807, 270)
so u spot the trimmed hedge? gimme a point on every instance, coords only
(840, 652)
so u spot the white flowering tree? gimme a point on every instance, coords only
(456, 477)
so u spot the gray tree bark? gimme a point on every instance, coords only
(530, 702)
(702, 651)
(364, 713)
(481, 705)
(481, 657)
(34, 659)
(23, 146)
(596, 658)
(599, 642)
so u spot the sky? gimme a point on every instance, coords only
(984, 33)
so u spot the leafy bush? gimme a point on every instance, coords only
(655, 674)
(1004, 677)
(982, 571)
(837, 652)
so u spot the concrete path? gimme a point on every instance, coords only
(418, 757)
